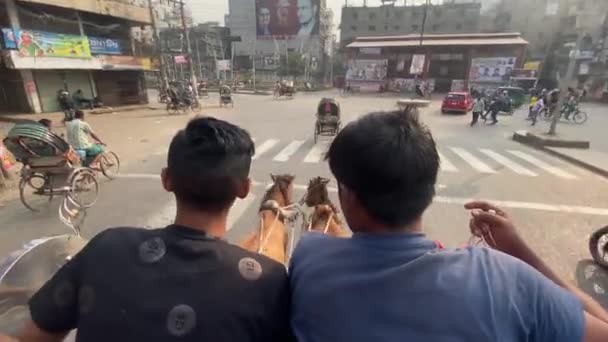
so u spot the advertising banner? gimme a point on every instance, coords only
(367, 70)
(223, 64)
(126, 63)
(8, 37)
(180, 59)
(417, 66)
(494, 69)
(46, 44)
(105, 46)
(285, 19)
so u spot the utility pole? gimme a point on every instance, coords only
(253, 64)
(198, 59)
(564, 83)
(158, 48)
(189, 52)
(424, 16)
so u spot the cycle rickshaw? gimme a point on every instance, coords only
(52, 168)
(328, 118)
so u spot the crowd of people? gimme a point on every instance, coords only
(388, 282)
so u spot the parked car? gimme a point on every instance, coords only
(457, 102)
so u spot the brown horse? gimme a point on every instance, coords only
(271, 237)
(325, 217)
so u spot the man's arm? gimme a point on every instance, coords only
(498, 231)
(89, 130)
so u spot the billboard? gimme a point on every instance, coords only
(367, 70)
(284, 19)
(32, 43)
(494, 69)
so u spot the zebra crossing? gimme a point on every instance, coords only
(454, 159)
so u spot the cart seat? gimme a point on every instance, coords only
(56, 161)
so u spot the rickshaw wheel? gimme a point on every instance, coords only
(29, 192)
(110, 164)
(83, 182)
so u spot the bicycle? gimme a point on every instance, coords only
(576, 116)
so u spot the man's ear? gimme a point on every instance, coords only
(244, 189)
(166, 180)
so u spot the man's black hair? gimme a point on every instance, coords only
(79, 114)
(390, 162)
(208, 161)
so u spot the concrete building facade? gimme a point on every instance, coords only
(87, 45)
(395, 19)
(241, 20)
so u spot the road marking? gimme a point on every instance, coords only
(508, 163)
(266, 145)
(539, 163)
(138, 175)
(316, 153)
(528, 205)
(288, 151)
(475, 162)
(446, 165)
(167, 212)
(238, 209)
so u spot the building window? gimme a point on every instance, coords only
(385, 27)
(459, 26)
(353, 28)
(415, 27)
(372, 28)
(372, 16)
(396, 27)
(435, 27)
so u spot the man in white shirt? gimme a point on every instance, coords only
(307, 17)
(78, 132)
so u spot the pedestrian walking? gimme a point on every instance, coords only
(478, 109)
(538, 107)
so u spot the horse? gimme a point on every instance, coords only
(271, 237)
(325, 217)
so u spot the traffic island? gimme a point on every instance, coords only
(543, 140)
(574, 151)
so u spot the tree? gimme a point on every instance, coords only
(293, 66)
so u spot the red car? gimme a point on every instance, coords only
(457, 102)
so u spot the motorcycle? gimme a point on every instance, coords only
(598, 246)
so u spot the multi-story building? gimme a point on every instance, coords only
(390, 19)
(48, 45)
(553, 28)
(269, 29)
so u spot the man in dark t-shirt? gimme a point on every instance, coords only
(182, 282)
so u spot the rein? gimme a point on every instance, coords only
(331, 216)
(280, 213)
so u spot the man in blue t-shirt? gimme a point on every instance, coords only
(390, 283)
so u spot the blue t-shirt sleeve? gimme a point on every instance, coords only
(555, 313)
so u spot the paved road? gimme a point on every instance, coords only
(555, 205)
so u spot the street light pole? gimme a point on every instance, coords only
(158, 48)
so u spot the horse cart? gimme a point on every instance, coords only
(52, 168)
(24, 272)
(328, 118)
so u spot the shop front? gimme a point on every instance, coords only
(121, 80)
(440, 63)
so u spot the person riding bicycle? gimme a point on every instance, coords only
(78, 132)
(539, 105)
(571, 103)
(184, 282)
(389, 282)
(225, 93)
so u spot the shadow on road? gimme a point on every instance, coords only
(593, 279)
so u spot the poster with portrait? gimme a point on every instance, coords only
(493, 69)
(286, 19)
(367, 70)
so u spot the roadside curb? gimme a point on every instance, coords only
(522, 137)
